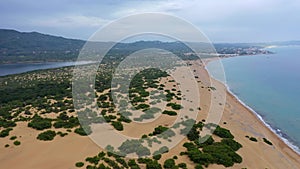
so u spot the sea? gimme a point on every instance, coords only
(16, 68)
(269, 85)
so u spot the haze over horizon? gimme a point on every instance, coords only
(235, 21)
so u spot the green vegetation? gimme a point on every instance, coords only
(223, 133)
(158, 130)
(13, 137)
(267, 141)
(134, 146)
(175, 106)
(235, 146)
(253, 139)
(82, 132)
(117, 125)
(79, 164)
(169, 164)
(211, 152)
(17, 143)
(47, 135)
(5, 132)
(170, 113)
(43, 100)
(40, 123)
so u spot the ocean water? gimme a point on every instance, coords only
(270, 85)
(9, 69)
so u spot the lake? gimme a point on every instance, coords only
(9, 69)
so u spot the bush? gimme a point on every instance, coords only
(17, 142)
(182, 165)
(232, 144)
(117, 125)
(40, 123)
(142, 106)
(153, 165)
(132, 164)
(13, 137)
(157, 157)
(253, 139)
(159, 130)
(198, 166)
(47, 135)
(82, 132)
(169, 163)
(79, 164)
(267, 141)
(5, 132)
(223, 133)
(134, 146)
(175, 106)
(170, 113)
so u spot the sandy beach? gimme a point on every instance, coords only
(64, 152)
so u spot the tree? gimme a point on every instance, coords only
(169, 163)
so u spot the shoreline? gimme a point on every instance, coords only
(285, 140)
(55, 66)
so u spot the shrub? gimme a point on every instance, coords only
(5, 132)
(182, 165)
(175, 106)
(40, 123)
(157, 157)
(47, 135)
(223, 133)
(159, 130)
(132, 164)
(142, 106)
(253, 139)
(79, 164)
(170, 113)
(17, 142)
(169, 163)
(117, 125)
(267, 141)
(83, 132)
(93, 160)
(232, 144)
(13, 137)
(153, 165)
(198, 166)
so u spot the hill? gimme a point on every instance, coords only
(33, 46)
(36, 47)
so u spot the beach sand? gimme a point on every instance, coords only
(64, 152)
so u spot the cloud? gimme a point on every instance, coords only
(237, 20)
(76, 21)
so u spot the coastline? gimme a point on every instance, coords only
(285, 140)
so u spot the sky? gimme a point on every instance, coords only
(219, 20)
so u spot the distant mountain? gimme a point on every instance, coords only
(36, 47)
(32, 46)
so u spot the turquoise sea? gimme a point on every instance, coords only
(269, 85)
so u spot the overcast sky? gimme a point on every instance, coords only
(220, 20)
